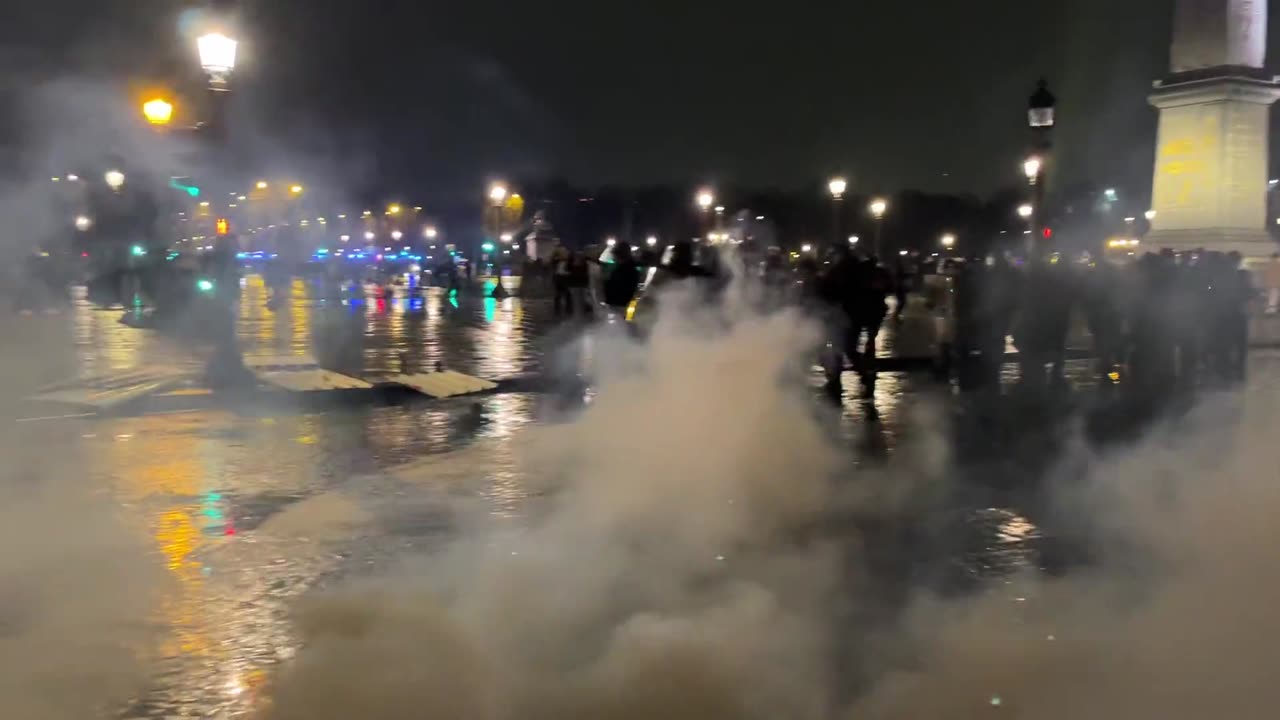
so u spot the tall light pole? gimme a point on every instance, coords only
(218, 59)
(836, 186)
(704, 199)
(1041, 120)
(878, 207)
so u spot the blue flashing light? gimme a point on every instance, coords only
(241, 255)
(322, 251)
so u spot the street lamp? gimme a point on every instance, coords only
(393, 209)
(295, 189)
(948, 240)
(1031, 167)
(1025, 211)
(1149, 215)
(396, 234)
(878, 207)
(114, 179)
(610, 242)
(651, 241)
(705, 199)
(83, 223)
(157, 111)
(261, 185)
(853, 240)
(368, 235)
(498, 193)
(836, 186)
(430, 232)
(217, 56)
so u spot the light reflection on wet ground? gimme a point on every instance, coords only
(226, 497)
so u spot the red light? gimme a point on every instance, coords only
(1047, 233)
(84, 254)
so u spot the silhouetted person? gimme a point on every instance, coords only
(1232, 318)
(563, 298)
(624, 277)
(578, 280)
(871, 290)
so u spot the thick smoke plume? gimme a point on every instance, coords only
(671, 562)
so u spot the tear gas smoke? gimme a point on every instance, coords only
(667, 566)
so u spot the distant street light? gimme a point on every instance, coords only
(1031, 168)
(396, 234)
(1149, 215)
(430, 232)
(393, 209)
(836, 186)
(498, 193)
(114, 179)
(878, 207)
(806, 248)
(610, 242)
(651, 241)
(1025, 211)
(948, 240)
(506, 237)
(853, 240)
(705, 199)
(295, 189)
(158, 111)
(368, 235)
(262, 184)
(83, 223)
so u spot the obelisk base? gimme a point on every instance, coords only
(1251, 244)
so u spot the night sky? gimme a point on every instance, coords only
(927, 94)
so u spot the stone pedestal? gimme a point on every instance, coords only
(1211, 170)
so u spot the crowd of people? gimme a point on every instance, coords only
(1167, 319)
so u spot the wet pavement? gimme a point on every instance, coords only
(250, 510)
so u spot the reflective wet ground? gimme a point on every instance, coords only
(248, 511)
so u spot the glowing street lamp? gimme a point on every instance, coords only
(396, 234)
(393, 209)
(610, 242)
(83, 223)
(368, 235)
(853, 240)
(948, 240)
(1150, 215)
(114, 179)
(1031, 168)
(158, 111)
(837, 186)
(1025, 211)
(705, 199)
(878, 207)
(261, 185)
(430, 232)
(217, 56)
(651, 241)
(498, 193)
(295, 189)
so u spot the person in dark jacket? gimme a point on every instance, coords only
(620, 286)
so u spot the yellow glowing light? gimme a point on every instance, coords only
(394, 209)
(262, 184)
(878, 207)
(158, 111)
(295, 189)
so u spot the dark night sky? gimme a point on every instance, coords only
(926, 94)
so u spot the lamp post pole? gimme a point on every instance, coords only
(1041, 119)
